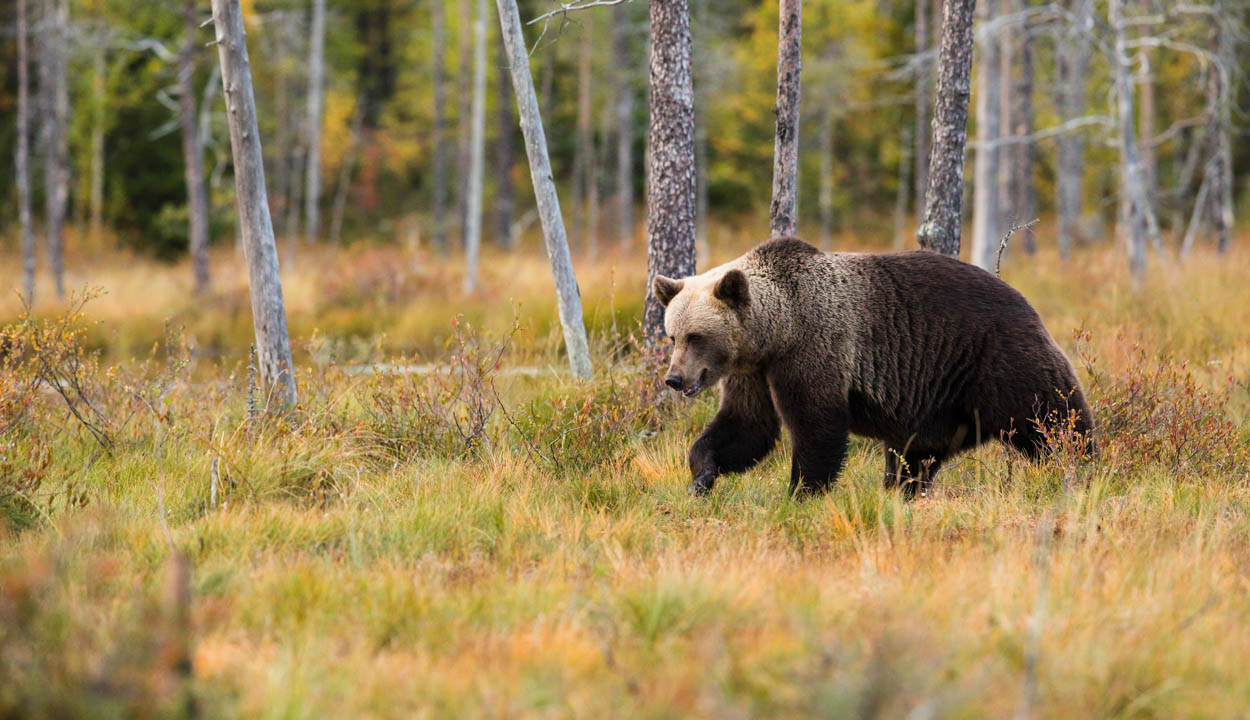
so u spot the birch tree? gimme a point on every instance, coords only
(54, 86)
(273, 346)
(1073, 71)
(438, 173)
(1143, 224)
(477, 152)
(670, 157)
(193, 153)
(985, 190)
(783, 215)
(21, 159)
(943, 202)
(568, 297)
(316, 93)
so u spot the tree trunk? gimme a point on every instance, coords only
(698, 55)
(1222, 185)
(193, 154)
(96, 196)
(504, 200)
(568, 297)
(826, 178)
(438, 201)
(273, 345)
(1146, 124)
(783, 214)
(464, 155)
(316, 92)
(1073, 61)
(941, 228)
(343, 186)
(922, 108)
(985, 191)
(477, 152)
(624, 65)
(1023, 191)
(582, 141)
(56, 131)
(670, 160)
(21, 160)
(1143, 223)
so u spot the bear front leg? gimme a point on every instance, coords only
(819, 451)
(743, 432)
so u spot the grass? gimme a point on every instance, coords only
(468, 543)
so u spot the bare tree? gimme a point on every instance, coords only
(923, 69)
(273, 345)
(568, 297)
(55, 86)
(1143, 223)
(504, 202)
(670, 157)
(1220, 165)
(985, 190)
(477, 154)
(316, 92)
(438, 174)
(21, 160)
(464, 154)
(941, 228)
(1073, 71)
(193, 153)
(783, 215)
(624, 68)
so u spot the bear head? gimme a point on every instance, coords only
(703, 318)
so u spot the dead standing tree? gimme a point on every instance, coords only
(193, 154)
(316, 92)
(940, 229)
(21, 159)
(54, 86)
(1143, 224)
(985, 192)
(670, 158)
(273, 345)
(783, 215)
(477, 152)
(568, 297)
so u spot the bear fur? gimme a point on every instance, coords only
(923, 352)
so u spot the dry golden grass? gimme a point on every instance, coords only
(356, 565)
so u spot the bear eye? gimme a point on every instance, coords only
(694, 338)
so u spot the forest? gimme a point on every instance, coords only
(332, 362)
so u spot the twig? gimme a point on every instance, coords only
(566, 8)
(1002, 244)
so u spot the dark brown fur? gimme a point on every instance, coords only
(919, 350)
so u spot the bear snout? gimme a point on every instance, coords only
(673, 381)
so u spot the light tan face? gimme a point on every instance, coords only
(701, 320)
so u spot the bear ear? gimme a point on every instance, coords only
(733, 290)
(666, 289)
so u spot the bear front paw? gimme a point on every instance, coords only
(702, 485)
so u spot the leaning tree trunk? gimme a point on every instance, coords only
(940, 230)
(504, 200)
(56, 132)
(568, 297)
(477, 152)
(922, 108)
(985, 189)
(193, 155)
(670, 157)
(1143, 224)
(316, 92)
(783, 214)
(438, 179)
(1073, 61)
(273, 345)
(624, 67)
(21, 160)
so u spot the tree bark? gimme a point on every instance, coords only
(943, 203)
(624, 65)
(273, 345)
(670, 158)
(96, 196)
(477, 152)
(1222, 170)
(56, 133)
(783, 214)
(1143, 223)
(568, 297)
(193, 154)
(464, 155)
(316, 93)
(985, 191)
(698, 64)
(438, 173)
(922, 108)
(504, 195)
(1073, 61)
(21, 160)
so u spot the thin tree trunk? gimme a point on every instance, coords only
(900, 199)
(624, 65)
(504, 200)
(568, 297)
(21, 160)
(273, 345)
(316, 91)
(1143, 222)
(343, 187)
(922, 108)
(193, 154)
(582, 141)
(670, 161)
(985, 191)
(941, 228)
(1146, 124)
(1016, 202)
(1024, 192)
(1200, 203)
(464, 154)
(783, 214)
(96, 195)
(438, 201)
(56, 171)
(826, 178)
(477, 152)
(1222, 190)
(1073, 61)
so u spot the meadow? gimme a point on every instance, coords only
(449, 525)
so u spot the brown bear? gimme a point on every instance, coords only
(923, 352)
